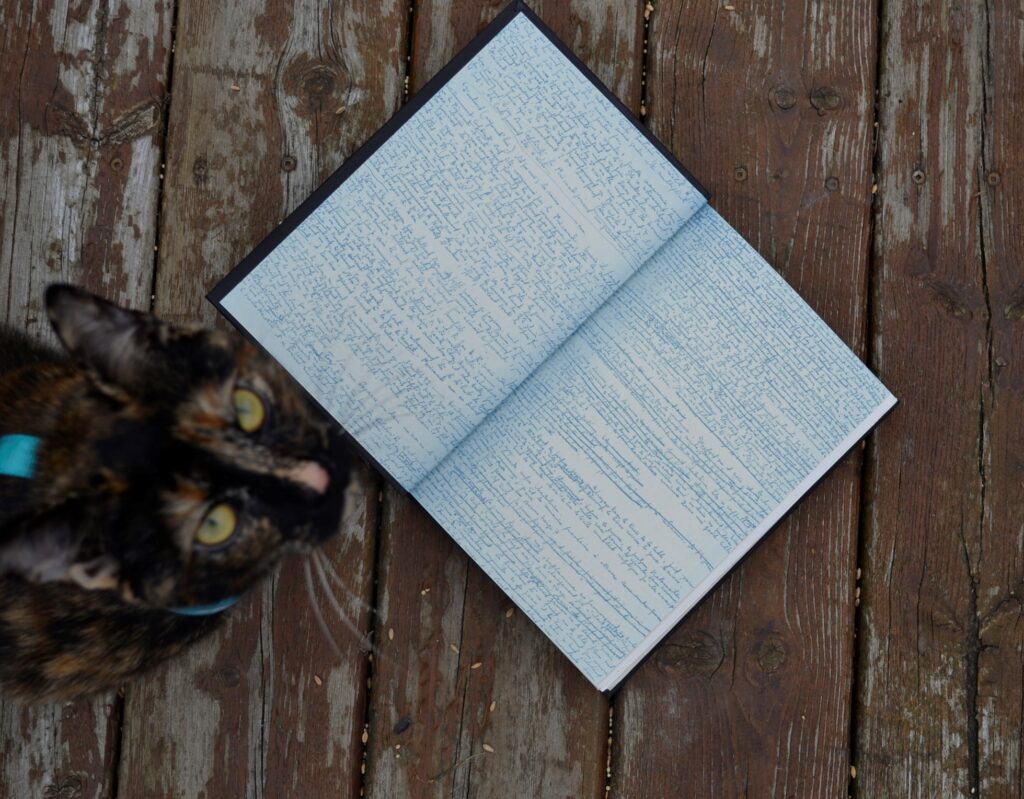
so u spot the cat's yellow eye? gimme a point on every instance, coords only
(249, 410)
(217, 526)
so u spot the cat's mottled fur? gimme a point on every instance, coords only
(140, 439)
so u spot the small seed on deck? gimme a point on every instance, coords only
(730, 7)
(476, 665)
(487, 748)
(235, 87)
(339, 110)
(454, 648)
(366, 736)
(424, 592)
(853, 772)
(391, 633)
(492, 706)
(317, 680)
(647, 11)
(508, 613)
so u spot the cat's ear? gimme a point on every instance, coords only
(114, 342)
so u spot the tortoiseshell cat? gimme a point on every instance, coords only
(172, 468)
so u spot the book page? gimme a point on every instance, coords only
(463, 251)
(632, 469)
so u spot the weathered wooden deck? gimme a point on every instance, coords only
(872, 645)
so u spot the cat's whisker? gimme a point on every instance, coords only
(328, 568)
(316, 611)
(364, 638)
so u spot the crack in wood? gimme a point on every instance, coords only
(164, 139)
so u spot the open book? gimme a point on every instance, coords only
(527, 314)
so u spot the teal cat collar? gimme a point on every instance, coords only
(18, 459)
(18, 455)
(205, 610)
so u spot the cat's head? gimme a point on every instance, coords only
(199, 463)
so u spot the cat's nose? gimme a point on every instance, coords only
(312, 475)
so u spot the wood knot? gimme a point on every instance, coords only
(832, 183)
(62, 121)
(230, 676)
(952, 299)
(200, 169)
(67, 788)
(825, 99)
(771, 654)
(314, 84)
(1014, 309)
(694, 654)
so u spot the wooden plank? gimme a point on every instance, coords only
(439, 616)
(83, 87)
(939, 700)
(269, 99)
(1000, 564)
(770, 106)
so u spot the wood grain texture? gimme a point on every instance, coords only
(939, 701)
(770, 106)
(82, 92)
(268, 100)
(448, 648)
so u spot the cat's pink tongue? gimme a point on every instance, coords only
(311, 474)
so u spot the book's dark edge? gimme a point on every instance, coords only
(610, 692)
(610, 96)
(406, 112)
